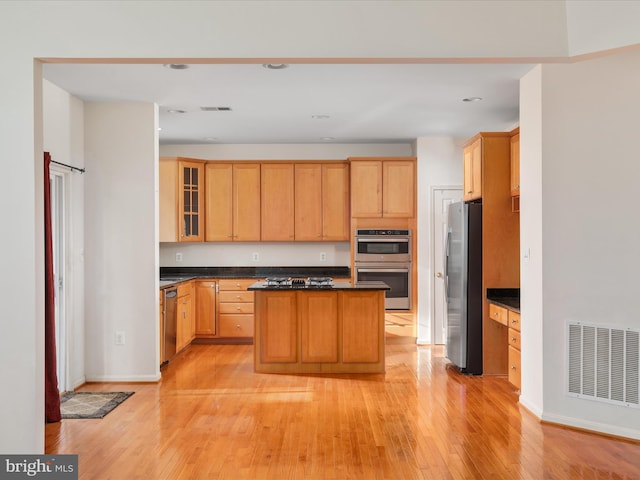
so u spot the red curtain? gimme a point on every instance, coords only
(51, 393)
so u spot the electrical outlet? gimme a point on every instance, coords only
(323, 256)
(119, 337)
(178, 257)
(255, 256)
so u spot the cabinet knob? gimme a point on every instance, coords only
(438, 275)
(238, 326)
(513, 339)
(514, 321)
(513, 367)
(238, 296)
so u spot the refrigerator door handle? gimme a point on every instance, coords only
(446, 264)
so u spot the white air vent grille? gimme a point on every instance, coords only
(604, 363)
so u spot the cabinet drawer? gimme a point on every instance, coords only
(236, 307)
(514, 338)
(235, 297)
(236, 326)
(184, 289)
(235, 283)
(514, 320)
(499, 314)
(514, 367)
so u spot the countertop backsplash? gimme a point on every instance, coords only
(255, 254)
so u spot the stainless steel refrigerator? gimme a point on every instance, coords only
(463, 281)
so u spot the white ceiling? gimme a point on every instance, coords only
(366, 103)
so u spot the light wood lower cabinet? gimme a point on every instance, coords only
(511, 319)
(205, 308)
(515, 375)
(235, 308)
(307, 331)
(185, 328)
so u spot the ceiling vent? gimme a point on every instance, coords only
(215, 109)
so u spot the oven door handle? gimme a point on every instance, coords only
(383, 240)
(375, 270)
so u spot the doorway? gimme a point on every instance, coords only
(57, 189)
(442, 197)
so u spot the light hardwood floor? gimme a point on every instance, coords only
(212, 417)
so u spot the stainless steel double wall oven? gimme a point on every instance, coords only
(385, 255)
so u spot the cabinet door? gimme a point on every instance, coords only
(515, 165)
(398, 189)
(362, 327)
(473, 170)
(335, 202)
(276, 206)
(190, 201)
(168, 200)
(318, 326)
(308, 202)
(366, 188)
(219, 202)
(246, 202)
(205, 315)
(277, 321)
(184, 326)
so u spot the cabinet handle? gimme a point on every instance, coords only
(237, 296)
(513, 339)
(238, 326)
(238, 308)
(184, 314)
(513, 367)
(514, 321)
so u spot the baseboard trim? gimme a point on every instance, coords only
(126, 378)
(591, 427)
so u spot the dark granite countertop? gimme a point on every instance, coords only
(173, 275)
(334, 286)
(505, 297)
(254, 272)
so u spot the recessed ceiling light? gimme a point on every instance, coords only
(472, 99)
(327, 139)
(175, 110)
(210, 139)
(176, 66)
(321, 117)
(275, 66)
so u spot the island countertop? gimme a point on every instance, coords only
(334, 286)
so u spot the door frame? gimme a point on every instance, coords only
(61, 234)
(432, 253)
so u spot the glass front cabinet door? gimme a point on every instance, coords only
(191, 201)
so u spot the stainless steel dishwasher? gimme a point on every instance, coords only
(170, 319)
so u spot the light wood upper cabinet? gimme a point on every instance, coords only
(335, 202)
(383, 188)
(168, 199)
(232, 202)
(277, 200)
(515, 165)
(473, 170)
(398, 188)
(190, 200)
(219, 202)
(246, 202)
(322, 201)
(366, 188)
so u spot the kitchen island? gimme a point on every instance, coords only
(335, 328)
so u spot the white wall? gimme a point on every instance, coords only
(439, 165)
(121, 238)
(531, 247)
(589, 222)
(64, 139)
(216, 30)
